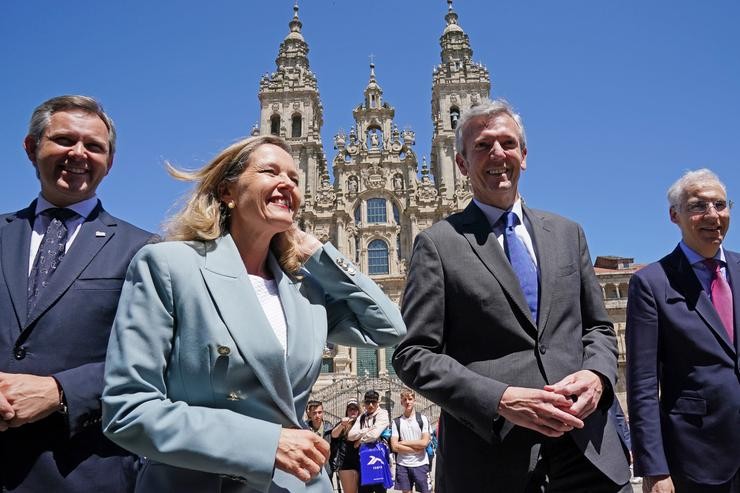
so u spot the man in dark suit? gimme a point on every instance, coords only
(683, 376)
(507, 332)
(62, 264)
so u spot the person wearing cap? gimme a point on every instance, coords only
(345, 456)
(368, 428)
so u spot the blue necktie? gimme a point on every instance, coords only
(521, 262)
(50, 253)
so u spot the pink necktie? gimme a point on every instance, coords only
(721, 296)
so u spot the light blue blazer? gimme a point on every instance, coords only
(196, 380)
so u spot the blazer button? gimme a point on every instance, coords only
(19, 352)
(543, 349)
(224, 350)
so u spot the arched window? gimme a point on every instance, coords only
(376, 212)
(454, 116)
(396, 216)
(275, 124)
(358, 214)
(377, 257)
(296, 126)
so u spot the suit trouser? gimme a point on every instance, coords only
(562, 468)
(684, 485)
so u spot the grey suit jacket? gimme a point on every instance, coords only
(196, 379)
(471, 335)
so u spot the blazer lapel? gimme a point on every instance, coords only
(16, 244)
(86, 245)
(477, 231)
(546, 251)
(733, 271)
(236, 301)
(688, 283)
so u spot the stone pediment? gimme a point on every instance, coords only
(375, 177)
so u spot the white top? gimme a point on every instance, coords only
(410, 431)
(267, 294)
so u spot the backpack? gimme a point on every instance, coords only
(431, 446)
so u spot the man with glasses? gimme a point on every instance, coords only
(368, 428)
(683, 381)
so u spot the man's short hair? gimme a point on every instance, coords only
(677, 192)
(371, 396)
(488, 108)
(407, 393)
(42, 115)
(313, 404)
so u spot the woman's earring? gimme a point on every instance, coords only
(231, 204)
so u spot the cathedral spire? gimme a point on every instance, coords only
(457, 84)
(372, 84)
(454, 42)
(294, 49)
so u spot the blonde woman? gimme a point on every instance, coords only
(219, 335)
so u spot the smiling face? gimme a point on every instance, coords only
(72, 157)
(702, 232)
(494, 159)
(266, 194)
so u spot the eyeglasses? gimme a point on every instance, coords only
(370, 402)
(702, 206)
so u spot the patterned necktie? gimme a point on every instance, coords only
(521, 262)
(50, 253)
(721, 296)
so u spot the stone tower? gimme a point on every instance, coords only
(375, 177)
(457, 84)
(290, 106)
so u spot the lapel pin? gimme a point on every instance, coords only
(100, 234)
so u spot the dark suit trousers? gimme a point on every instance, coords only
(684, 485)
(562, 468)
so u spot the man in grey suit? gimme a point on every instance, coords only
(507, 332)
(62, 263)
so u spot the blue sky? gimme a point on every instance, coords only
(618, 97)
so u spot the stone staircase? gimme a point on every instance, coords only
(336, 395)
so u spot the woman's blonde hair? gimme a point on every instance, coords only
(205, 217)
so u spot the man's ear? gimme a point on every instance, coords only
(673, 213)
(460, 160)
(30, 145)
(524, 159)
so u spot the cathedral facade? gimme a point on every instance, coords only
(377, 196)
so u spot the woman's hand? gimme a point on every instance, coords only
(305, 243)
(301, 453)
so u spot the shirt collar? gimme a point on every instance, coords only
(84, 208)
(493, 213)
(695, 258)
